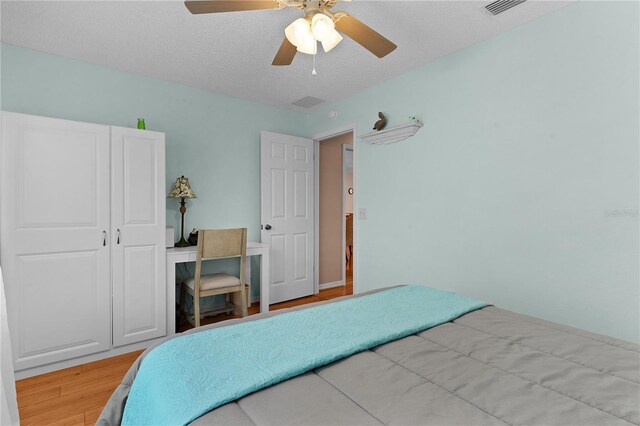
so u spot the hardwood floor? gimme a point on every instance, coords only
(77, 395)
(73, 396)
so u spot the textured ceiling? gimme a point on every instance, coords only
(232, 52)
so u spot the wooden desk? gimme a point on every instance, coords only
(177, 255)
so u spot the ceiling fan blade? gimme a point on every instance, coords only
(363, 35)
(216, 6)
(285, 54)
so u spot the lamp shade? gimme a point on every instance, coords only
(182, 189)
(298, 31)
(331, 40)
(309, 45)
(322, 26)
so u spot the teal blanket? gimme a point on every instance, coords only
(189, 376)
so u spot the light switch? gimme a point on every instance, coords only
(362, 213)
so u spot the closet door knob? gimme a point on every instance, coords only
(104, 238)
(267, 227)
(118, 237)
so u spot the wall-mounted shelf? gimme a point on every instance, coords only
(392, 135)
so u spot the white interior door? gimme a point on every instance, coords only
(138, 235)
(55, 250)
(287, 213)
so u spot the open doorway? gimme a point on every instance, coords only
(335, 189)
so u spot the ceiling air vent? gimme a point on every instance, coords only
(308, 102)
(500, 6)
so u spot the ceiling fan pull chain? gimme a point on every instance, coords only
(313, 72)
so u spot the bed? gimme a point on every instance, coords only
(488, 366)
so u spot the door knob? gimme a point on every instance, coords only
(267, 227)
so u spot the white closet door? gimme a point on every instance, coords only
(138, 235)
(55, 250)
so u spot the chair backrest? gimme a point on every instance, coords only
(220, 244)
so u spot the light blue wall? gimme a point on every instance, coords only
(522, 187)
(211, 138)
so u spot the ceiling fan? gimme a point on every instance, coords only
(302, 35)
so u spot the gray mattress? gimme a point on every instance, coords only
(490, 366)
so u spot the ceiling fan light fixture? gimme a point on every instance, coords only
(298, 32)
(319, 24)
(331, 41)
(322, 26)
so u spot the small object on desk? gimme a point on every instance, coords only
(193, 237)
(169, 236)
(141, 124)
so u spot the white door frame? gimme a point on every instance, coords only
(345, 148)
(317, 138)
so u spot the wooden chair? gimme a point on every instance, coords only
(218, 244)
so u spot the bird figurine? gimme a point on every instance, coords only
(380, 123)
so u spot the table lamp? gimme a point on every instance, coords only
(182, 189)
